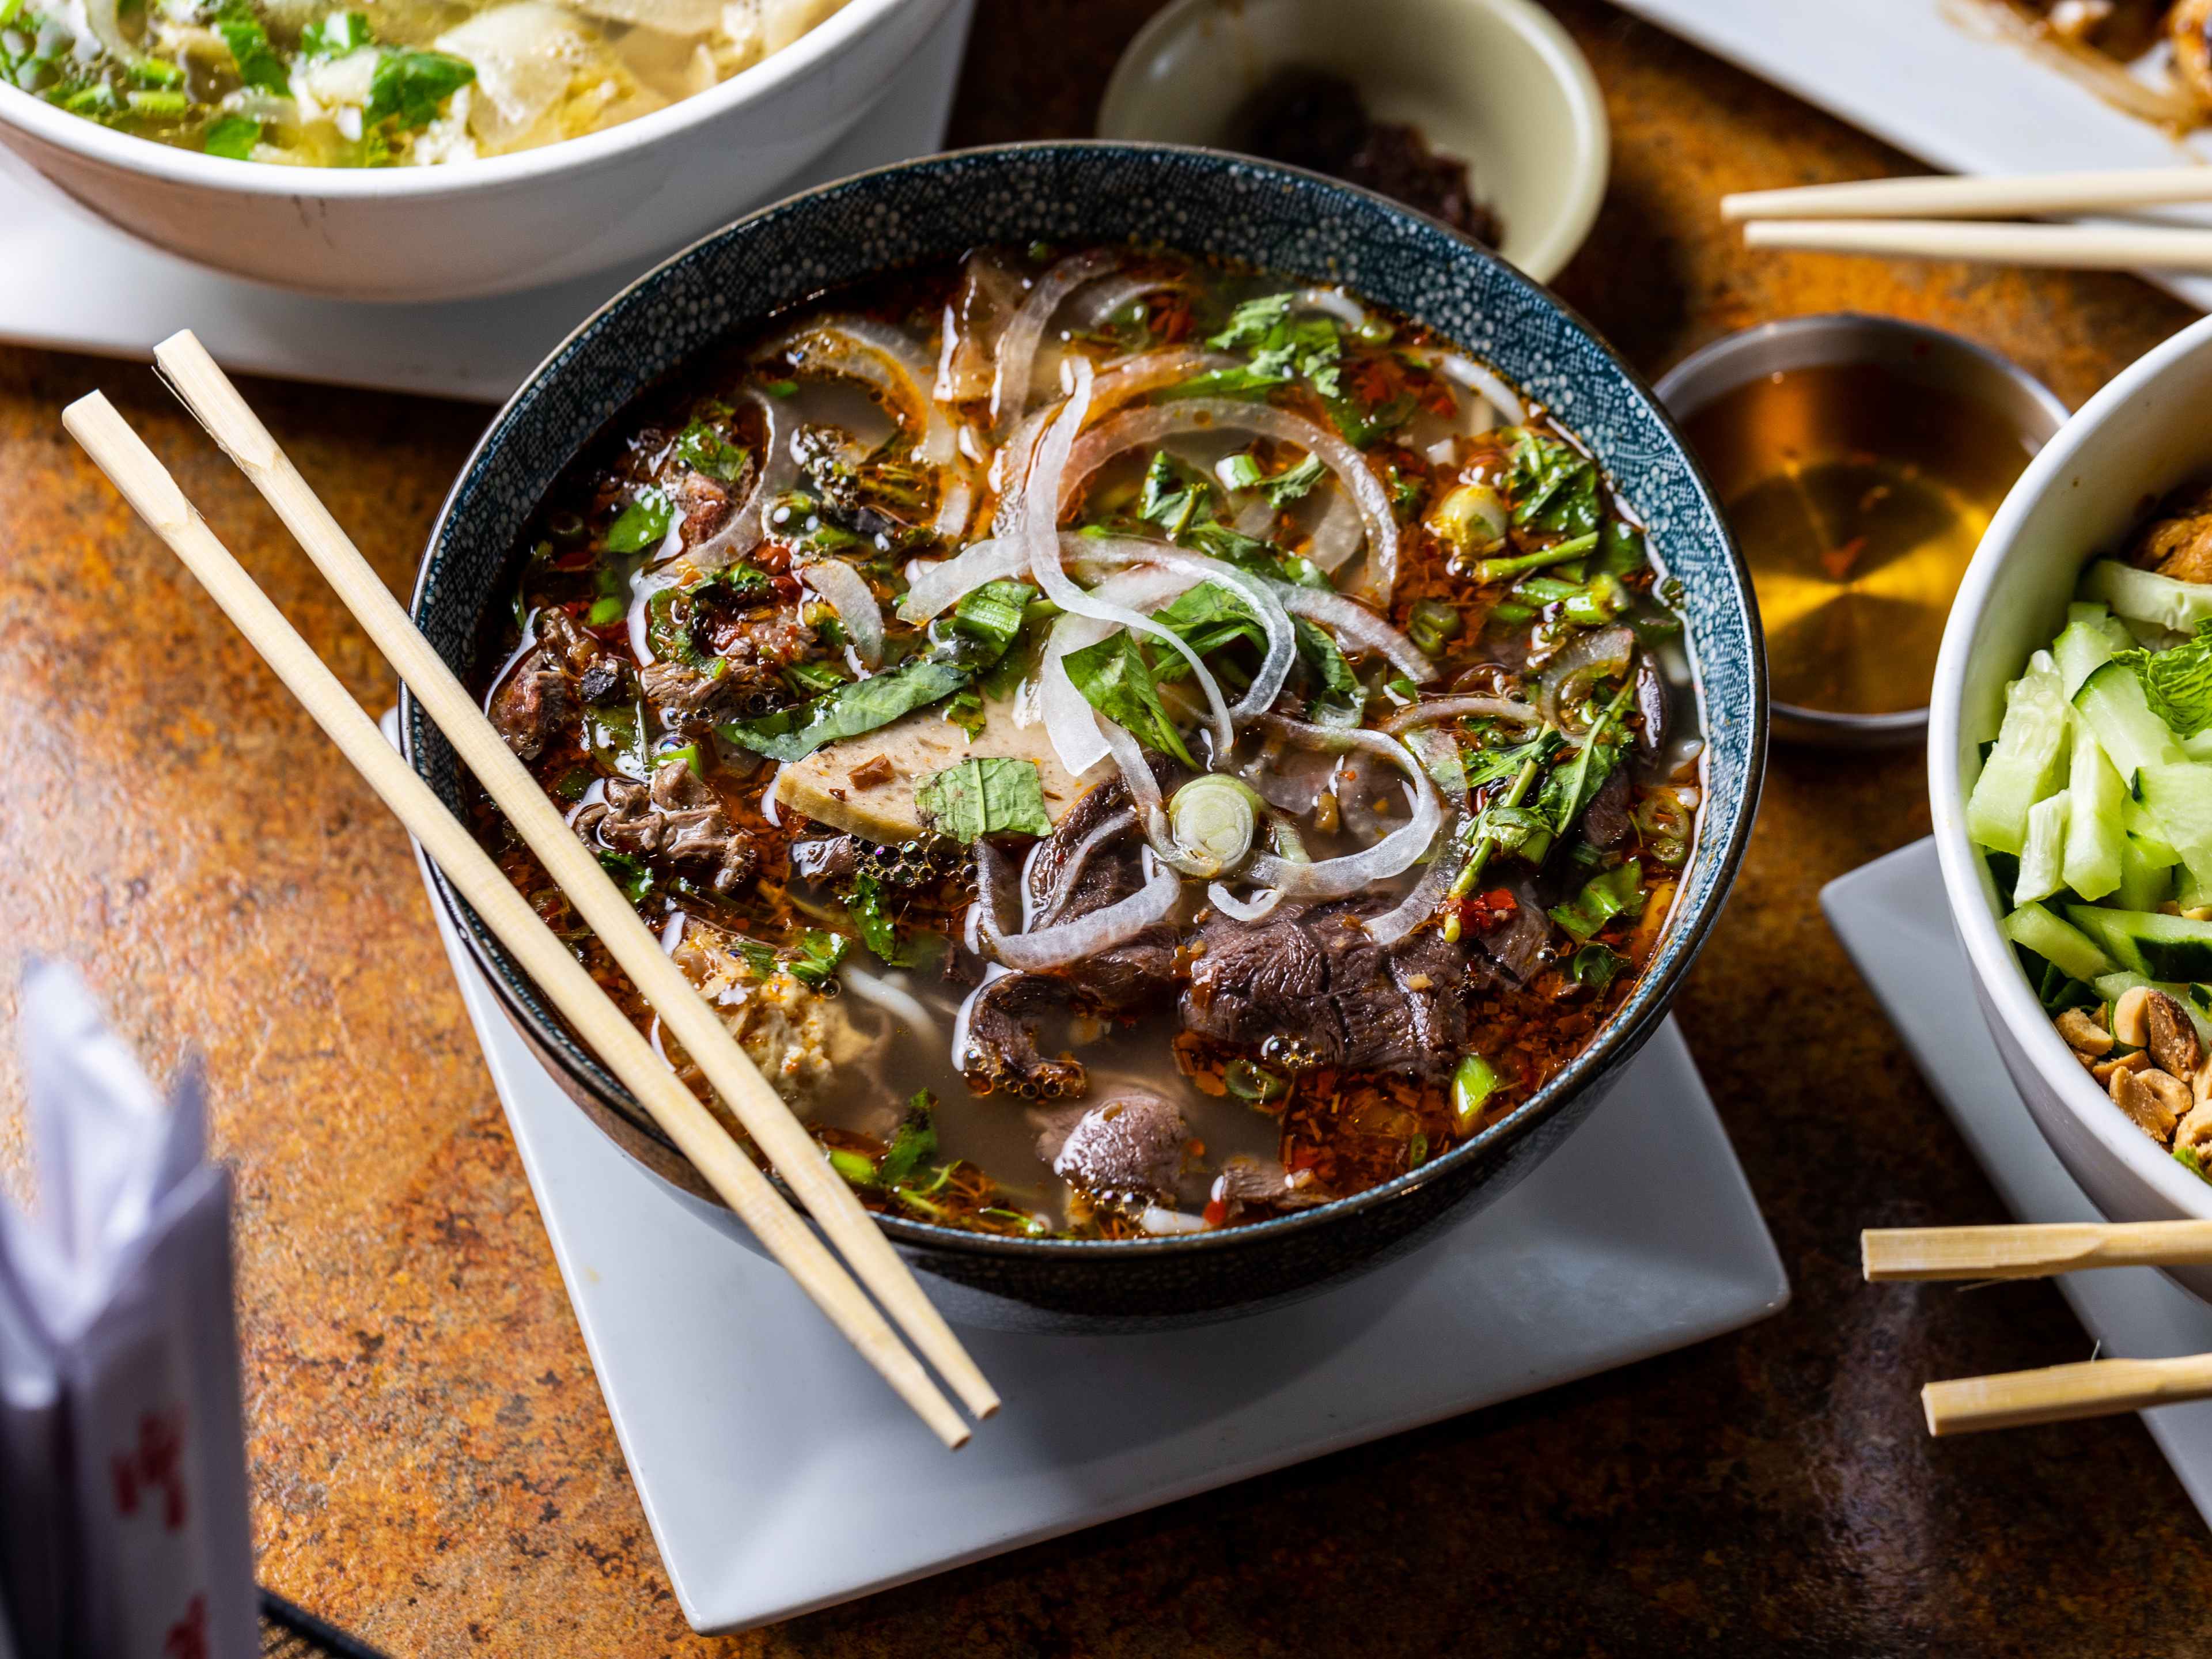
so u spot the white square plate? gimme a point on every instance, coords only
(1930, 77)
(1892, 918)
(763, 1451)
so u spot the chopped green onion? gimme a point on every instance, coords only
(1498, 570)
(1255, 1083)
(1473, 1084)
(160, 102)
(857, 1171)
(1213, 819)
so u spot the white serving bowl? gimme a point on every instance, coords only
(617, 197)
(2139, 437)
(1497, 83)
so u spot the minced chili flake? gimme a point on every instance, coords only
(1486, 913)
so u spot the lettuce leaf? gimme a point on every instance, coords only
(2178, 682)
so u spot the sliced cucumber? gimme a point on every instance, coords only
(2087, 645)
(2179, 798)
(2067, 949)
(2112, 701)
(2096, 820)
(2146, 596)
(2144, 884)
(2043, 856)
(2197, 745)
(2161, 947)
(2024, 767)
(2143, 830)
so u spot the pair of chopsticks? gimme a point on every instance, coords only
(1935, 218)
(2058, 1393)
(123, 457)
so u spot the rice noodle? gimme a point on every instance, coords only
(898, 1003)
(1064, 943)
(1040, 532)
(1357, 623)
(1155, 421)
(847, 591)
(887, 360)
(778, 471)
(1435, 709)
(1394, 854)
(1017, 346)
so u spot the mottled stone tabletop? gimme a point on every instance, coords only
(432, 1464)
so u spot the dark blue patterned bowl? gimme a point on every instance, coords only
(1201, 202)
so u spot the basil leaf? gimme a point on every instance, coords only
(1339, 698)
(1115, 679)
(984, 795)
(1287, 487)
(1206, 618)
(411, 87)
(914, 1142)
(704, 450)
(991, 615)
(1173, 495)
(1554, 487)
(791, 734)
(633, 875)
(642, 523)
(878, 931)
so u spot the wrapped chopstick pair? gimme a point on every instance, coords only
(2056, 1393)
(142, 481)
(1972, 218)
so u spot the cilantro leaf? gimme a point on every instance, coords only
(257, 61)
(816, 961)
(1554, 487)
(232, 136)
(914, 1142)
(878, 931)
(1287, 487)
(984, 795)
(411, 87)
(335, 35)
(704, 450)
(642, 523)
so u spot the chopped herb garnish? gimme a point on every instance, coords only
(234, 137)
(256, 62)
(334, 36)
(914, 1143)
(411, 88)
(704, 450)
(642, 523)
(1116, 679)
(633, 875)
(1554, 487)
(859, 705)
(992, 615)
(1596, 966)
(815, 960)
(1617, 891)
(878, 931)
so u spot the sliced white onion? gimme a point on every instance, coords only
(1154, 422)
(1017, 346)
(1354, 622)
(900, 1003)
(1066, 943)
(778, 471)
(1334, 301)
(1394, 854)
(1160, 1223)
(1040, 533)
(1115, 825)
(1337, 537)
(1420, 904)
(1148, 371)
(939, 586)
(1438, 751)
(1605, 652)
(1099, 305)
(1144, 786)
(1259, 514)
(1484, 384)
(1430, 711)
(847, 591)
(1237, 909)
(953, 507)
(894, 365)
(641, 590)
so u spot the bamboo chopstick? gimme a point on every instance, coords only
(1946, 197)
(2030, 1251)
(209, 393)
(2095, 1388)
(146, 485)
(2071, 247)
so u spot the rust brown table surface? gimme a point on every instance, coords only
(432, 1464)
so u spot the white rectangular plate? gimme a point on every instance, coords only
(763, 1451)
(1892, 918)
(71, 282)
(1927, 77)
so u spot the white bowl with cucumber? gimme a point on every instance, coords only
(2071, 777)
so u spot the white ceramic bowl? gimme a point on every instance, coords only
(1497, 83)
(617, 197)
(2136, 439)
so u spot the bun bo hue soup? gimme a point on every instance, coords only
(383, 83)
(1131, 746)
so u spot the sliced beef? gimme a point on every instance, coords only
(533, 706)
(706, 505)
(693, 701)
(1073, 874)
(677, 817)
(2179, 542)
(825, 858)
(1132, 1144)
(1606, 822)
(1313, 974)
